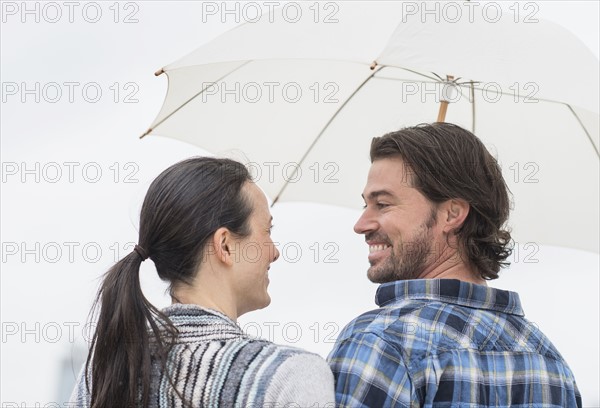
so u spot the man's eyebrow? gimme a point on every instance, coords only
(375, 194)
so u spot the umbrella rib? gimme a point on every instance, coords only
(587, 133)
(433, 80)
(323, 131)
(421, 74)
(584, 129)
(192, 98)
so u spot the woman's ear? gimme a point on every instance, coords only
(222, 246)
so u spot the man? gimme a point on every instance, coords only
(435, 207)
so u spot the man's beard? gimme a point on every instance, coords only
(411, 260)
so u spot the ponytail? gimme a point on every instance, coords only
(121, 363)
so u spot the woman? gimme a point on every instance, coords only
(206, 227)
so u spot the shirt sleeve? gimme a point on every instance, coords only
(369, 372)
(303, 380)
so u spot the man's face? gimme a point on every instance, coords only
(398, 222)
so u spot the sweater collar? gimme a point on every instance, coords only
(196, 323)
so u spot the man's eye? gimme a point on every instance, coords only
(378, 205)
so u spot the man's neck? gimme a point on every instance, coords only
(449, 264)
(459, 271)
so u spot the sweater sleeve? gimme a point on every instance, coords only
(302, 380)
(80, 398)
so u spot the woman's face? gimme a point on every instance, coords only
(254, 255)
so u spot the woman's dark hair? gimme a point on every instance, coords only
(182, 209)
(449, 162)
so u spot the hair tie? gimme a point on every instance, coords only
(141, 252)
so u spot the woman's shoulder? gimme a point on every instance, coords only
(277, 375)
(252, 352)
(302, 378)
(292, 358)
(253, 372)
(295, 361)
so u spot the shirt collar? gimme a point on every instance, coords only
(450, 291)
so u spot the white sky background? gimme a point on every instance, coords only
(312, 298)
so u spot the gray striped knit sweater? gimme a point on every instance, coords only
(214, 364)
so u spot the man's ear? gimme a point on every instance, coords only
(222, 246)
(455, 212)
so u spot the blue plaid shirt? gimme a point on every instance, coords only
(447, 343)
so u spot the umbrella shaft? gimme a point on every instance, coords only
(442, 112)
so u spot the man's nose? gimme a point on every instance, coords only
(365, 223)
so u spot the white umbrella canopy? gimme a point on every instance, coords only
(303, 99)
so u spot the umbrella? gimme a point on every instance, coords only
(301, 95)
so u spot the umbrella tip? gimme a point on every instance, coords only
(373, 65)
(146, 133)
(160, 71)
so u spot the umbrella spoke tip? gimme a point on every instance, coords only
(146, 133)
